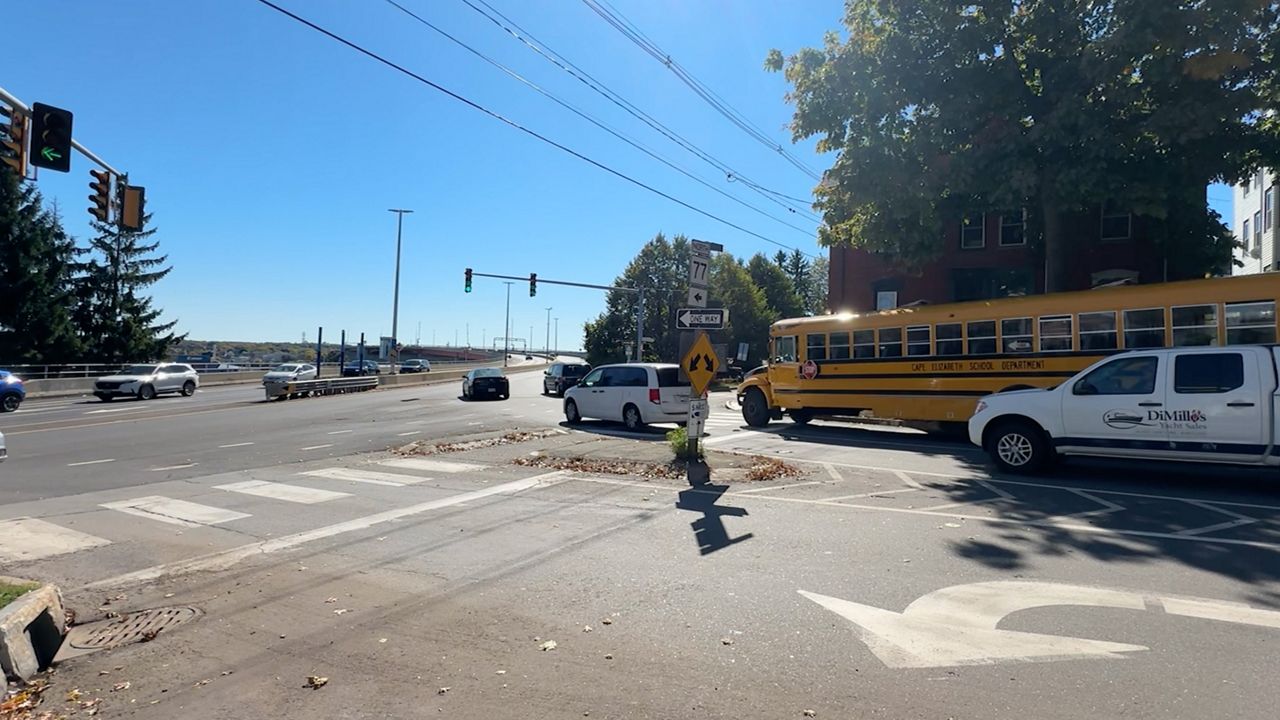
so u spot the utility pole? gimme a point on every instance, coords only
(557, 335)
(506, 333)
(547, 345)
(395, 302)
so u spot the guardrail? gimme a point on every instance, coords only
(96, 370)
(324, 386)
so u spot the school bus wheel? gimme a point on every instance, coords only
(755, 409)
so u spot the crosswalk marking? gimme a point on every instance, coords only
(372, 477)
(281, 491)
(23, 539)
(430, 465)
(174, 512)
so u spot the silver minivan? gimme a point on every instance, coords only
(634, 394)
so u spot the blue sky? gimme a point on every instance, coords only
(271, 153)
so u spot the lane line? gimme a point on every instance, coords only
(1214, 528)
(115, 410)
(780, 487)
(833, 472)
(411, 432)
(283, 491)
(317, 447)
(371, 477)
(91, 462)
(340, 432)
(174, 512)
(173, 467)
(234, 445)
(226, 558)
(429, 465)
(886, 493)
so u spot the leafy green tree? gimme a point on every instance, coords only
(779, 292)
(661, 268)
(37, 258)
(117, 320)
(749, 316)
(815, 297)
(937, 108)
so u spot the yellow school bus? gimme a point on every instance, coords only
(927, 365)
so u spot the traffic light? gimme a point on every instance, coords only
(13, 146)
(50, 137)
(467, 287)
(533, 284)
(133, 200)
(101, 197)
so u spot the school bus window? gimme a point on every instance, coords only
(1144, 328)
(1015, 335)
(784, 349)
(982, 337)
(838, 346)
(815, 347)
(864, 343)
(949, 341)
(1195, 325)
(890, 342)
(1098, 331)
(1251, 323)
(918, 340)
(1055, 333)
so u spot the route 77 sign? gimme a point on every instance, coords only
(701, 318)
(700, 364)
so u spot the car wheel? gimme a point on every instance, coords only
(755, 410)
(631, 418)
(801, 417)
(106, 398)
(189, 388)
(10, 402)
(466, 394)
(571, 413)
(1018, 446)
(146, 392)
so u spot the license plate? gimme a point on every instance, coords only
(491, 389)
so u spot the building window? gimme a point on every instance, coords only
(1248, 239)
(982, 337)
(1195, 325)
(1257, 229)
(973, 232)
(1098, 331)
(891, 342)
(1015, 335)
(950, 340)
(1013, 228)
(1144, 328)
(838, 346)
(815, 347)
(886, 299)
(1251, 323)
(1055, 333)
(918, 340)
(1117, 224)
(864, 343)
(1268, 210)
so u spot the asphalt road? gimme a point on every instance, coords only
(898, 577)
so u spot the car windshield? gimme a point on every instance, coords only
(285, 368)
(138, 370)
(576, 370)
(488, 372)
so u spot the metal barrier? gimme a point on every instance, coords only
(324, 386)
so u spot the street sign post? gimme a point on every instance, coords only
(701, 318)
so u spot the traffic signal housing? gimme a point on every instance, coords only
(13, 146)
(133, 200)
(467, 287)
(100, 200)
(50, 137)
(533, 284)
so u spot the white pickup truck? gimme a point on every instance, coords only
(1201, 404)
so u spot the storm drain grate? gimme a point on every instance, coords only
(135, 627)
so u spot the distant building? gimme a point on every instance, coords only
(1253, 220)
(987, 256)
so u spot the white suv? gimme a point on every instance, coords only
(146, 381)
(634, 394)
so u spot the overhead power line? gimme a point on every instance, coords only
(497, 116)
(594, 121)
(633, 33)
(546, 52)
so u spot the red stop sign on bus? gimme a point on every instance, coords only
(809, 370)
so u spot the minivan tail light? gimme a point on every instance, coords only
(654, 396)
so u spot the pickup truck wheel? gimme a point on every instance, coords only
(1018, 447)
(755, 410)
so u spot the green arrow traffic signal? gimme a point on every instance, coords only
(50, 154)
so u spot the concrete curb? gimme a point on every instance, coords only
(31, 630)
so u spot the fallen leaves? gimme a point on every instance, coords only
(606, 621)
(767, 468)
(548, 645)
(810, 713)
(665, 471)
(443, 690)
(517, 436)
(25, 699)
(341, 611)
(726, 641)
(121, 686)
(73, 695)
(315, 682)
(586, 628)
(330, 600)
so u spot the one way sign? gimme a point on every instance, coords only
(701, 318)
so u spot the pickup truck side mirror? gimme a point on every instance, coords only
(1084, 388)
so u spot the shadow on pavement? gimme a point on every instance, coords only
(701, 497)
(610, 429)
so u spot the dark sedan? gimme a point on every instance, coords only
(364, 367)
(485, 383)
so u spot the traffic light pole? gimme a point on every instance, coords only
(23, 108)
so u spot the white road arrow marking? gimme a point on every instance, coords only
(957, 625)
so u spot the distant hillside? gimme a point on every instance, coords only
(237, 351)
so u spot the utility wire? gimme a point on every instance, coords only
(633, 33)
(542, 49)
(584, 115)
(518, 126)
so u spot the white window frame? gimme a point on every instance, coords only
(1070, 336)
(938, 339)
(1030, 336)
(1114, 331)
(1226, 319)
(1165, 320)
(1268, 209)
(1248, 237)
(928, 329)
(1257, 228)
(1022, 222)
(994, 336)
(1104, 216)
(854, 344)
(968, 224)
(1173, 329)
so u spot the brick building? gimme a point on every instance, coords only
(988, 256)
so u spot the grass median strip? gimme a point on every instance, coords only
(12, 591)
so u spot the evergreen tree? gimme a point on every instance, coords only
(36, 262)
(779, 292)
(116, 319)
(815, 298)
(661, 268)
(798, 269)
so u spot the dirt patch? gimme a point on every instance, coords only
(607, 466)
(766, 468)
(510, 438)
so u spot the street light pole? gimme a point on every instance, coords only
(547, 345)
(395, 302)
(506, 331)
(557, 334)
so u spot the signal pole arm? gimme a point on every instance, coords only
(23, 108)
